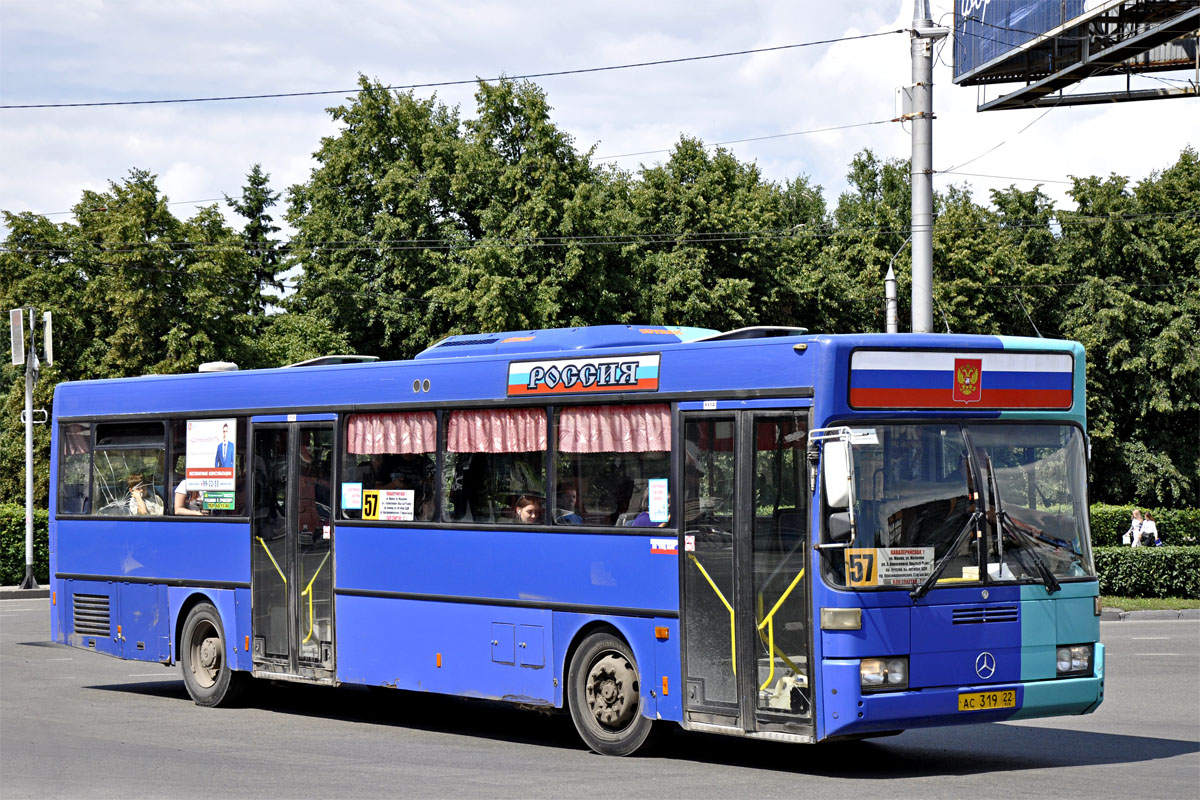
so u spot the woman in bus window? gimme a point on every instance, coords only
(142, 499)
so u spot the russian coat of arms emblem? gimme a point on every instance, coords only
(968, 373)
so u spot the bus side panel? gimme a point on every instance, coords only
(155, 550)
(452, 648)
(657, 659)
(606, 573)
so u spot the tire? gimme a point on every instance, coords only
(206, 672)
(604, 693)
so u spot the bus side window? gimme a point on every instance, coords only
(391, 452)
(608, 454)
(75, 468)
(493, 457)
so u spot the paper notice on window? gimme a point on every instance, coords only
(396, 505)
(659, 500)
(888, 566)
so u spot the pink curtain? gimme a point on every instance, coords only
(615, 429)
(403, 432)
(502, 430)
(77, 439)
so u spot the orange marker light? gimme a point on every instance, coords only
(54, 598)
(664, 685)
(662, 634)
(247, 644)
(439, 660)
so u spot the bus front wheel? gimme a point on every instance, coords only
(206, 672)
(605, 696)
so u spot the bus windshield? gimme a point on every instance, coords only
(922, 490)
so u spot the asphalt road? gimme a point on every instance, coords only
(78, 724)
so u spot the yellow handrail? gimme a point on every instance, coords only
(273, 561)
(308, 591)
(729, 608)
(769, 622)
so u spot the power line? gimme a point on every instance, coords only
(755, 138)
(1000, 177)
(437, 84)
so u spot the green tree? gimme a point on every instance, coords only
(256, 200)
(133, 289)
(1133, 259)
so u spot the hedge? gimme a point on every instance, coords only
(1149, 571)
(1176, 526)
(12, 545)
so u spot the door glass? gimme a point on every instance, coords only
(708, 489)
(779, 514)
(314, 538)
(269, 552)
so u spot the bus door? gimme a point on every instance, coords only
(292, 550)
(746, 619)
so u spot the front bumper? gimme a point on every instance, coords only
(846, 711)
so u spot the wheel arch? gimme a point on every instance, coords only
(620, 628)
(181, 602)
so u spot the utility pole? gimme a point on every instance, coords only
(924, 36)
(28, 356)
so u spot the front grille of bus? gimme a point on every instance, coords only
(977, 615)
(91, 614)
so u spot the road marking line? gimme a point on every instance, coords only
(1150, 638)
(60, 659)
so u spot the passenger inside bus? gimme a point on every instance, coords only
(188, 504)
(567, 499)
(143, 501)
(527, 509)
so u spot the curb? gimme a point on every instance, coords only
(13, 593)
(1116, 615)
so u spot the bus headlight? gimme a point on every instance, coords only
(1073, 659)
(883, 674)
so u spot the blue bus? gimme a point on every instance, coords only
(761, 533)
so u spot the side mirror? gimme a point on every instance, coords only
(836, 470)
(832, 447)
(841, 527)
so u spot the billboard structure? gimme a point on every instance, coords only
(1051, 44)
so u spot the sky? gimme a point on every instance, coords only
(73, 51)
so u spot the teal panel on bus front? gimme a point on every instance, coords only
(551, 569)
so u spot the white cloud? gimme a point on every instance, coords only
(70, 51)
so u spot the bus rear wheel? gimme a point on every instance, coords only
(206, 673)
(605, 696)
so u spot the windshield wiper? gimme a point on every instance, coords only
(1005, 523)
(971, 526)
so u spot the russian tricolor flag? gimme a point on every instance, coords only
(980, 380)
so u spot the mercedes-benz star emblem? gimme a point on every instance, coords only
(985, 665)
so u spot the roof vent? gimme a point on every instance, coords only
(756, 332)
(218, 366)
(328, 361)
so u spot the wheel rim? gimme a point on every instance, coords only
(611, 691)
(206, 657)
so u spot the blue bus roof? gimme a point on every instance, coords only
(490, 367)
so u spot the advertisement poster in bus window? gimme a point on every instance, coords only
(888, 566)
(209, 462)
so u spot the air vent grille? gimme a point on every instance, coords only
(465, 342)
(92, 614)
(978, 615)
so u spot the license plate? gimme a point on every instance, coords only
(984, 701)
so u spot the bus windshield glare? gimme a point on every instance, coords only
(922, 491)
